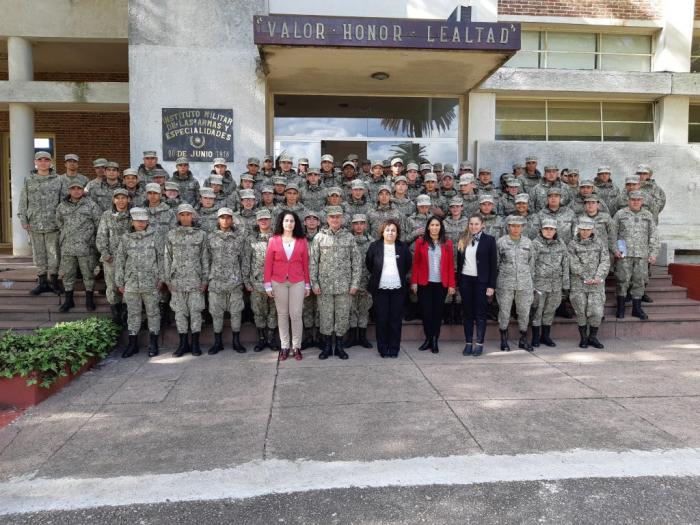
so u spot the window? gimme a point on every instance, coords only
(569, 50)
(694, 124)
(695, 54)
(575, 120)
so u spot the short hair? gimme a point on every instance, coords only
(297, 233)
(389, 222)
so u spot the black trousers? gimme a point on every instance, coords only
(388, 313)
(474, 301)
(431, 299)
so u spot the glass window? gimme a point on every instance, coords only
(574, 131)
(631, 111)
(694, 123)
(694, 133)
(567, 110)
(695, 54)
(521, 110)
(515, 130)
(529, 55)
(628, 132)
(571, 50)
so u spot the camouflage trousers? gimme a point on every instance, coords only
(588, 306)
(359, 309)
(230, 301)
(264, 311)
(631, 275)
(149, 300)
(111, 292)
(45, 252)
(187, 304)
(334, 310)
(309, 313)
(522, 300)
(544, 305)
(69, 270)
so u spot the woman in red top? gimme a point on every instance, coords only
(433, 278)
(286, 278)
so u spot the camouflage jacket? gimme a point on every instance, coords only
(145, 175)
(138, 264)
(40, 197)
(603, 226)
(578, 204)
(565, 222)
(437, 200)
(185, 260)
(588, 259)
(363, 242)
(414, 224)
(353, 207)
(313, 197)
(225, 252)
(335, 262)
(137, 197)
(656, 195)
(189, 187)
(506, 205)
(470, 202)
(455, 227)
(229, 185)
(162, 219)
(538, 194)
(638, 230)
(381, 213)
(494, 225)
(78, 223)
(255, 251)
(206, 218)
(530, 181)
(66, 180)
(516, 261)
(608, 192)
(102, 194)
(298, 208)
(113, 224)
(245, 219)
(405, 205)
(551, 265)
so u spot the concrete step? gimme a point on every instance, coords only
(656, 292)
(662, 306)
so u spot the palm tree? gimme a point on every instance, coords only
(409, 152)
(440, 117)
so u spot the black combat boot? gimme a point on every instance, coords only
(504, 341)
(42, 285)
(237, 346)
(647, 299)
(273, 341)
(68, 302)
(116, 314)
(583, 332)
(620, 313)
(362, 338)
(196, 350)
(262, 341)
(593, 338)
(218, 345)
(327, 349)
(339, 350)
(349, 338)
(132, 348)
(546, 339)
(152, 344)
(637, 310)
(55, 284)
(535, 337)
(523, 342)
(435, 348)
(183, 347)
(89, 300)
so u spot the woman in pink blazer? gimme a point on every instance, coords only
(286, 279)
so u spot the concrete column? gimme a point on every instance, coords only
(672, 50)
(481, 122)
(673, 119)
(20, 67)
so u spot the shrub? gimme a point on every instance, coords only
(47, 353)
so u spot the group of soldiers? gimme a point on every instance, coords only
(170, 245)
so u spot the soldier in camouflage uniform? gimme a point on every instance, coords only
(313, 194)
(228, 184)
(329, 178)
(550, 278)
(602, 220)
(285, 169)
(40, 197)
(246, 216)
(438, 203)
(516, 261)
(384, 210)
(357, 203)
(413, 180)
(634, 228)
(227, 268)
(484, 183)
(310, 315)
(113, 224)
(186, 274)
(161, 217)
(291, 201)
(102, 193)
(189, 186)
(400, 199)
(415, 224)
(555, 210)
(335, 268)
(522, 209)
(138, 275)
(376, 179)
(279, 184)
(632, 183)
(149, 166)
(506, 203)
(216, 183)
(539, 194)
(267, 199)
(348, 176)
(606, 189)
(456, 223)
(531, 176)
(493, 224)
(362, 300)
(653, 191)
(136, 192)
(589, 266)
(206, 210)
(264, 311)
(78, 218)
(586, 188)
(470, 199)
(71, 163)
(264, 176)
(447, 183)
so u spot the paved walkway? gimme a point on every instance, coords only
(194, 416)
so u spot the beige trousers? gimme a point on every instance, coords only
(289, 301)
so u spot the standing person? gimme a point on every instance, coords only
(310, 316)
(433, 278)
(71, 163)
(477, 269)
(227, 267)
(287, 280)
(40, 197)
(550, 278)
(589, 265)
(514, 285)
(186, 274)
(389, 262)
(335, 267)
(189, 186)
(102, 193)
(138, 275)
(362, 300)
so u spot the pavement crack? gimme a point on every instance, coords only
(272, 404)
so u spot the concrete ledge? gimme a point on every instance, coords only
(67, 95)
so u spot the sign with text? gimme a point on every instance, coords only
(457, 32)
(201, 135)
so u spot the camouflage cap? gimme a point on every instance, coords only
(248, 176)
(186, 208)
(465, 179)
(359, 217)
(423, 200)
(182, 160)
(139, 214)
(279, 181)
(632, 179)
(456, 201)
(327, 158)
(484, 170)
(216, 179)
(426, 166)
(586, 182)
(71, 156)
(207, 193)
(334, 210)
(150, 154)
(246, 194)
(447, 175)
(382, 188)
(515, 219)
(220, 161)
(554, 191)
(334, 190)
(357, 184)
(224, 211)
(522, 197)
(172, 186)
(349, 163)
(312, 213)
(160, 173)
(437, 166)
(513, 183)
(531, 158)
(130, 172)
(400, 178)
(353, 156)
(153, 187)
(449, 167)
(111, 165)
(397, 160)
(120, 191)
(268, 158)
(549, 223)
(286, 157)
(518, 165)
(377, 163)
(574, 171)
(430, 177)
(252, 161)
(267, 189)
(366, 162)
(643, 168)
(386, 163)
(585, 223)
(292, 186)
(591, 198)
(99, 163)
(76, 184)
(603, 169)
(636, 194)
(551, 167)
(486, 198)
(465, 165)
(263, 214)
(303, 161)
(412, 166)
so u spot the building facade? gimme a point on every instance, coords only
(600, 82)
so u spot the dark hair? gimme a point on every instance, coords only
(298, 232)
(441, 236)
(386, 223)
